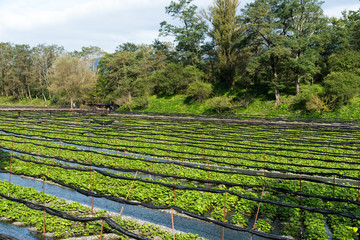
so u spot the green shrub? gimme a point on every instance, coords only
(342, 85)
(199, 91)
(129, 104)
(220, 104)
(175, 78)
(306, 94)
(140, 102)
(345, 61)
(320, 104)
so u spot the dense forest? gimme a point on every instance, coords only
(223, 55)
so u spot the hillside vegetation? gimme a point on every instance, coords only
(269, 58)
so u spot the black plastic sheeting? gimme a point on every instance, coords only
(172, 186)
(206, 160)
(178, 187)
(271, 138)
(135, 203)
(190, 165)
(212, 182)
(63, 215)
(7, 237)
(188, 118)
(204, 145)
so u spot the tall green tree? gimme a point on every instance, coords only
(267, 36)
(165, 49)
(356, 30)
(6, 56)
(190, 34)
(352, 21)
(124, 75)
(71, 78)
(43, 59)
(343, 81)
(175, 78)
(91, 55)
(302, 21)
(127, 47)
(22, 81)
(225, 33)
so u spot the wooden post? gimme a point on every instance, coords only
(174, 180)
(59, 150)
(182, 159)
(257, 212)
(124, 155)
(237, 170)
(10, 174)
(333, 203)
(102, 229)
(29, 156)
(92, 200)
(223, 229)
(89, 140)
(287, 163)
(172, 223)
(11, 156)
(29, 151)
(262, 193)
(301, 211)
(122, 209)
(326, 156)
(152, 166)
(139, 147)
(43, 190)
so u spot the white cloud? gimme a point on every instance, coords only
(56, 20)
(27, 15)
(335, 11)
(105, 23)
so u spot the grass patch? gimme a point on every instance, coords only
(35, 102)
(175, 104)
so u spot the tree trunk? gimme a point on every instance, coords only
(129, 101)
(297, 85)
(43, 95)
(231, 75)
(29, 92)
(71, 103)
(277, 96)
(297, 82)
(277, 93)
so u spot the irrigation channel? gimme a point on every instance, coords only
(275, 180)
(16, 232)
(183, 224)
(161, 160)
(203, 229)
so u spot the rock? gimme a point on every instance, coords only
(4, 219)
(48, 235)
(19, 224)
(32, 229)
(110, 236)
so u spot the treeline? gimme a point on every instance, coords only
(47, 72)
(269, 49)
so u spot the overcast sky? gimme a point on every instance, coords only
(102, 23)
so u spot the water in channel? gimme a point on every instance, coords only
(203, 229)
(20, 233)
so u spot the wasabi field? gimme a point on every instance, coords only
(258, 178)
